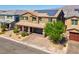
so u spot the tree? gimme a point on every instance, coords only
(3, 27)
(55, 31)
(16, 30)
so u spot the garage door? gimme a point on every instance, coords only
(74, 36)
(37, 30)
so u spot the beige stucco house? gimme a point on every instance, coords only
(71, 14)
(34, 21)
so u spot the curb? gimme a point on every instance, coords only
(30, 45)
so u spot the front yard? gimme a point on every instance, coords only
(37, 40)
(12, 35)
(54, 41)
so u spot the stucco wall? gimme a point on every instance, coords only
(5, 18)
(43, 19)
(68, 22)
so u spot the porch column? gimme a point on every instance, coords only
(22, 28)
(28, 30)
(37, 19)
(43, 33)
(9, 26)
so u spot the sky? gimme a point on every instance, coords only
(28, 7)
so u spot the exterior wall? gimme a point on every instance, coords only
(68, 23)
(44, 20)
(16, 18)
(8, 18)
(5, 18)
(2, 17)
(29, 17)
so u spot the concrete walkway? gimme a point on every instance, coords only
(73, 47)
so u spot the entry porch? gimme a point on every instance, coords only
(30, 30)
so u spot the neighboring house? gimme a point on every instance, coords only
(34, 21)
(9, 17)
(72, 21)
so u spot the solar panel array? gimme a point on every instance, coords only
(49, 12)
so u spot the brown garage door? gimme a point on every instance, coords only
(74, 36)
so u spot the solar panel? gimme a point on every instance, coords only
(49, 12)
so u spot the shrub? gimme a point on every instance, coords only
(2, 32)
(55, 31)
(23, 34)
(3, 27)
(16, 30)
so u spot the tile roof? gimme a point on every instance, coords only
(71, 10)
(12, 12)
(43, 13)
(30, 24)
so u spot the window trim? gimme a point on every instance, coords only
(50, 19)
(24, 17)
(33, 18)
(74, 22)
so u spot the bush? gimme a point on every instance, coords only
(23, 34)
(3, 26)
(55, 31)
(2, 32)
(16, 30)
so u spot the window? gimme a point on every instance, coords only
(9, 17)
(40, 18)
(74, 22)
(33, 18)
(24, 17)
(50, 19)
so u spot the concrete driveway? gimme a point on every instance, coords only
(11, 47)
(73, 47)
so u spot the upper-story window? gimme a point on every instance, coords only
(74, 22)
(24, 17)
(2, 17)
(50, 19)
(40, 18)
(9, 17)
(33, 18)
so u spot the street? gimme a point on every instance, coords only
(11, 47)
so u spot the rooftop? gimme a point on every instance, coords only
(24, 23)
(49, 12)
(12, 12)
(43, 13)
(71, 10)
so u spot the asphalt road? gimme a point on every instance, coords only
(11, 47)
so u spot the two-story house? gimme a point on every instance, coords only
(34, 21)
(9, 17)
(72, 21)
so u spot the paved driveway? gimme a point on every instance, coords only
(73, 47)
(10, 47)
